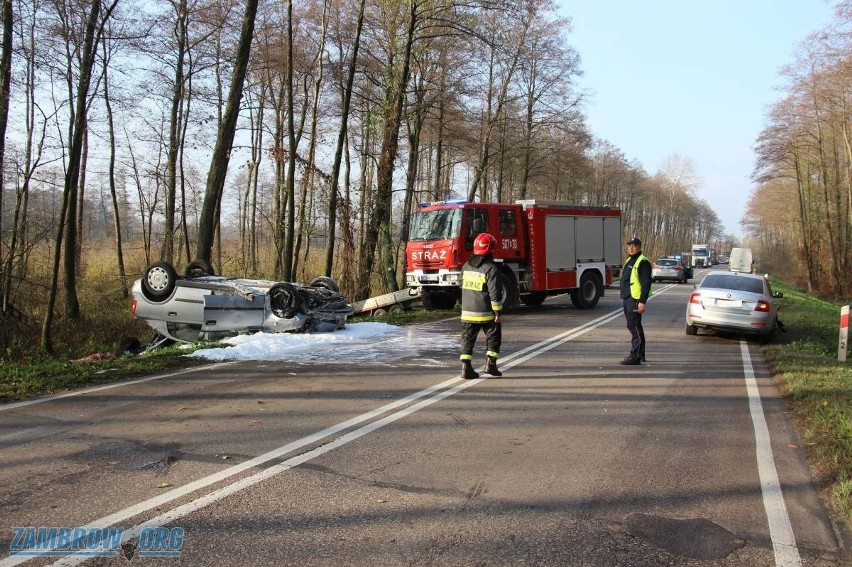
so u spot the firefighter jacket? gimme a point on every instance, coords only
(481, 294)
(636, 278)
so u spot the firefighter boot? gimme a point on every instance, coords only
(491, 367)
(468, 372)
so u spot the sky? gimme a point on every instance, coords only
(367, 342)
(692, 78)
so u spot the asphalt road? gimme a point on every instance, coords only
(570, 459)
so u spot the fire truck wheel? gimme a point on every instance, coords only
(510, 290)
(432, 300)
(533, 299)
(589, 292)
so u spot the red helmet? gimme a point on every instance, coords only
(483, 244)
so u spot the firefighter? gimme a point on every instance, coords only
(481, 305)
(635, 289)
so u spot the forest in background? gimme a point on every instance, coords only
(286, 140)
(799, 217)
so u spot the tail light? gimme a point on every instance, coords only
(762, 306)
(677, 267)
(133, 307)
(695, 298)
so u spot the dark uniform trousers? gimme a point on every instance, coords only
(493, 336)
(634, 326)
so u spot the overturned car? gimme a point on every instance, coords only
(203, 306)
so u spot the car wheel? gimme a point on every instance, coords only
(198, 268)
(159, 281)
(325, 282)
(396, 309)
(691, 329)
(283, 300)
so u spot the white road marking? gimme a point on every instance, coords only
(780, 528)
(42, 399)
(432, 394)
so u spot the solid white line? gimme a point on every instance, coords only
(15, 405)
(780, 528)
(436, 393)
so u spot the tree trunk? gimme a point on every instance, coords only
(225, 139)
(381, 212)
(341, 140)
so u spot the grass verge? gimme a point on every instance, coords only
(818, 389)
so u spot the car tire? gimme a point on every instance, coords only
(198, 268)
(396, 309)
(283, 300)
(158, 281)
(691, 329)
(325, 282)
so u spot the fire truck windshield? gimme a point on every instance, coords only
(435, 225)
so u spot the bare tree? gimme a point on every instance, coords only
(224, 139)
(92, 36)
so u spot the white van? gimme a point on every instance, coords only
(741, 260)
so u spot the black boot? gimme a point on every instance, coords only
(491, 367)
(468, 373)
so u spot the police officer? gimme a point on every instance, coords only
(635, 289)
(481, 305)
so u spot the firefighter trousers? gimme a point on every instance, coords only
(493, 338)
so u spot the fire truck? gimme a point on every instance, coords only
(543, 248)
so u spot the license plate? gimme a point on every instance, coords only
(733, 303)
(425, 279)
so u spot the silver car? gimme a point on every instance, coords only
(668, 268)
(733, 301)
(202, 306)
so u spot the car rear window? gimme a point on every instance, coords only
(666, 262)
(735, 283)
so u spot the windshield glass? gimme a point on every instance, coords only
(435, 225)
(734, 283)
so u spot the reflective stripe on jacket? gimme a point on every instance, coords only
(481, 296)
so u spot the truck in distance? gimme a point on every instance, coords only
(701, 256)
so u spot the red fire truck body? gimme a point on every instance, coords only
(544, 248)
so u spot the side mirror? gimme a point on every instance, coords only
(778, 294)
(478, 225)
